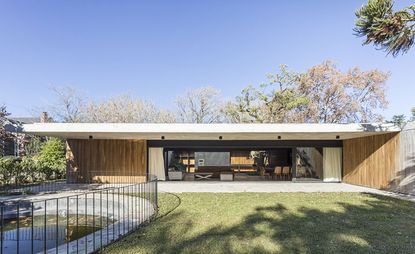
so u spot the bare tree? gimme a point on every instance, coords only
(201, 105)
(67, 105)
(125, 109)
(337, 96)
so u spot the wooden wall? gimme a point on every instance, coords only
(371, 161)
(109, 161)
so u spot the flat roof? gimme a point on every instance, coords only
(187, 131)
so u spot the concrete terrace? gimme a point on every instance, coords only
(272, 186)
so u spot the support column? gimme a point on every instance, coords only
(294, 163)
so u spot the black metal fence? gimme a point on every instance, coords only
(33, 188)
(76, 223)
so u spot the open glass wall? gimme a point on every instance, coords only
(285, 160)
(243, 164)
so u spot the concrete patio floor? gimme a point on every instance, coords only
(270, 186)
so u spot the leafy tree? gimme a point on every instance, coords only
(322, 94)
(413, 114)
(398, 120)
(392, 31)
(3, 134)
(34, 146)
(3, 111)
(272, 102)
(52, 158)
(201, 105)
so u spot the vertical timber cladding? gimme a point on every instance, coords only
(372, 161)
(106, 160)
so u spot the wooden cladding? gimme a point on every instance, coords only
(371, 161)
(108, 161)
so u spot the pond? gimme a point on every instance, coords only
(48, 231)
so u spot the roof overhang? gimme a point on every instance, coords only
(176, 131)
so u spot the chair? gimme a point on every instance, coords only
(277, 173)
(286, 173)
(264, 173)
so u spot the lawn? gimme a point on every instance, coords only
(275, 223)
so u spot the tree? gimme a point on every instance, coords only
(398, 120)
(34, 146)
(3, 134)
(413, 114)
(3, 114)
(3, 111)
(322, 94)
(125, 109)
(52, 158)
(201, 105)
(392, 31)
(337, 96)
(273, 102)
(68, 104)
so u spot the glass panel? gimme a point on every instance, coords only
(309, 162)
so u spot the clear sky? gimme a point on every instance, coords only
(157, 49)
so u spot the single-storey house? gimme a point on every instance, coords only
(375, 155)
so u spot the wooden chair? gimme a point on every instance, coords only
(286, 173)
(277, 173)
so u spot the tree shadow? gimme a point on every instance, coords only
(404, 181)
(375, 225)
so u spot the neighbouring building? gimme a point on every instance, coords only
(12, 137)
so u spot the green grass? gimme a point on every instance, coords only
(275, 223)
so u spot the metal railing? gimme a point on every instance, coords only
(72, 182)
(76, 223)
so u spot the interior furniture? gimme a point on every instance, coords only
(175, 175)
(286, 173)
(243, 167)
(203, 176)
(214, 170)
(189, 176)
(226, 176)
(277, 173)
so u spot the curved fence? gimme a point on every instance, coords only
(76, 223)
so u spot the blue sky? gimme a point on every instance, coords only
(157, 49)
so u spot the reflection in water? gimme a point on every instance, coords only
(57, 230)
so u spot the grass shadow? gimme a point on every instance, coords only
(364, 223)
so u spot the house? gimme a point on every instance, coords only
(12, 138)
(363, 154)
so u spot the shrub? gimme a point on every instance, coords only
(30, 170)
(52, 159)
(8, 169)
(34, 146)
